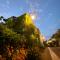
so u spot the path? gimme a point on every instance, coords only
(54, 53)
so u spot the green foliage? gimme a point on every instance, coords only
(9, 23)
(34, 54)
(57, 34)
(19, 32)
(54, 40)
(21, 26)
(8, 34)
(1, 17)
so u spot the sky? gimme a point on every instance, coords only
(47, 12)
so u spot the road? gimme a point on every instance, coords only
(56, 50)
(51, 53)
(54, 53)
(46, 55)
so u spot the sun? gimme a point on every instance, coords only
(33, 16)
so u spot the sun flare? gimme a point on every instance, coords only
(33, 16)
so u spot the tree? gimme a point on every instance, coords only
(1, 17)
(55, 39)
(18, 32)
